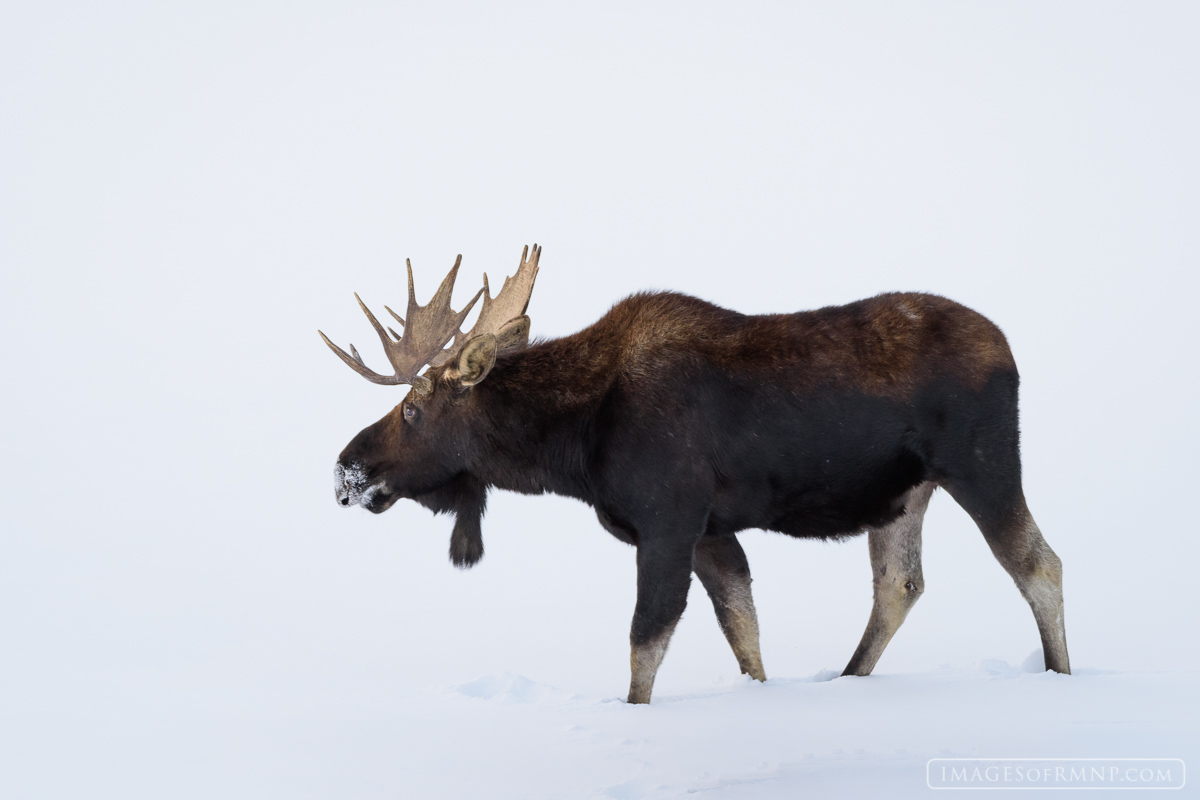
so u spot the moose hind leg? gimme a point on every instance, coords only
(897, 579)
(1037, 571)
(721, 565)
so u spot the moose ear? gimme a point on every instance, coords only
(476, 359)
(513, 335)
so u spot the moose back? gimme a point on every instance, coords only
(682, 423)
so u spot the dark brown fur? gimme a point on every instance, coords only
(681, 422)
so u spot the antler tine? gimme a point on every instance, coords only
(412, 293)
(442, 296)
(355, 363)
(383, 337)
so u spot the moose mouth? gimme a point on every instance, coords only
(377, 499)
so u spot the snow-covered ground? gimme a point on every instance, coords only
(505, 736)
(188, 191)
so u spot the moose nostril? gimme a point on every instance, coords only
(345, 501)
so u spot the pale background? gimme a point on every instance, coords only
(188, 193)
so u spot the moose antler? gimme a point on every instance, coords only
(498, 311)
(428, 329)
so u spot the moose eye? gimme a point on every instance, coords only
(410, 413)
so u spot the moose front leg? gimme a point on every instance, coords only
(720, 564)
(898, 582)
(664, 573)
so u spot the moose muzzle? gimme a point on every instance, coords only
(348, 484)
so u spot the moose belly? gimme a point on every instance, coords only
(830, 469)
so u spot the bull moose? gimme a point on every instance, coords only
(682, 423)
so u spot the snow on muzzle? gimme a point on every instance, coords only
(350, 485)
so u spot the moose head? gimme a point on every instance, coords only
(418, 449)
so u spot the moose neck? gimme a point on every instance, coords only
(533, 415)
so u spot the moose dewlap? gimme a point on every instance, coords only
(682, 423)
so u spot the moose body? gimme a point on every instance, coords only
(682, 423)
